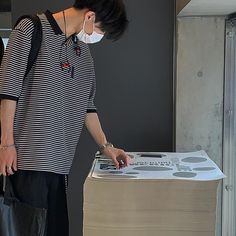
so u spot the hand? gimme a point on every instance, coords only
(119, 157)
(8, 158)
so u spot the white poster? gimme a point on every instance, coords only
(160, 165)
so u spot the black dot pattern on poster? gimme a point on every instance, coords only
(132, 173)
(204, 168)
(157, 155)
(194, 159)
(152, 168)
(115, 172)
(185, 174)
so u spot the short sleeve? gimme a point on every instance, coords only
(91, 106)
(15, 59)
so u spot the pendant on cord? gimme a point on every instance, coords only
(65, 66)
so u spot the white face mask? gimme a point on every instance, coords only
(92, 38)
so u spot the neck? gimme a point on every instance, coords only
(74, 20)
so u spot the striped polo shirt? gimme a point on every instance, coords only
(51, 102)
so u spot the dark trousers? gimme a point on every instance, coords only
(44, 190)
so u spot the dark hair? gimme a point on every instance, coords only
(111, 14)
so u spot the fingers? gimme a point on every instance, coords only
(124, 157)
(117, 164)
(6, 169)
(9, 170)
(122, 160)
(3, 170)
(119, 157)
(8, 162)
(15, 164)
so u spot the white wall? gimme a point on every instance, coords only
(200, 76)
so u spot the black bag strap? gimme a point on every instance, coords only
(8, 191)
(2, 184)
(36, 40)
(1, 49)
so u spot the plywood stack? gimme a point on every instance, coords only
(140, 206)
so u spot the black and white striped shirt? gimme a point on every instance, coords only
(51, 105)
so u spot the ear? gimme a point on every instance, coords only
(90, 16)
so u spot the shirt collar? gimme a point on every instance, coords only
(53, 23)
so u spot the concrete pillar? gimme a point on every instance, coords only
(200, 77)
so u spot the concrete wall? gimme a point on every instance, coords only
(200, 76)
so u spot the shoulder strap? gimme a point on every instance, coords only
(36, 40)
(1, 49)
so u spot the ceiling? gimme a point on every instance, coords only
(208, 7)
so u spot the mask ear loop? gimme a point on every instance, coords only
(84, 26)
(93, 27)
(94, 23)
